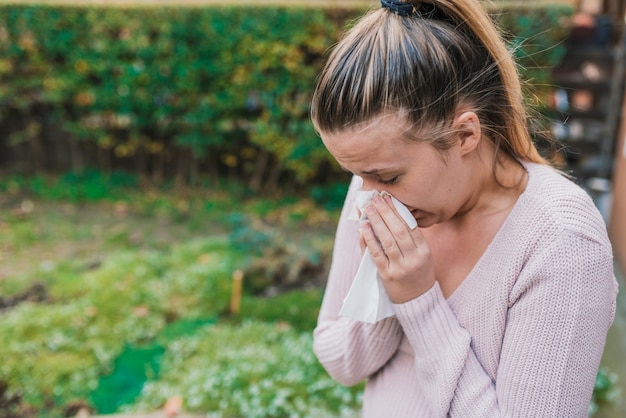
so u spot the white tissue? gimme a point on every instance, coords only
(367, 299)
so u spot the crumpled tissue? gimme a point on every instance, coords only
(367, 300)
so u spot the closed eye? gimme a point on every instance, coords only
(390, 181)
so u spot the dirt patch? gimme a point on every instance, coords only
(37, 292)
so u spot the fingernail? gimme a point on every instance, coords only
(369, 209)
(377, 200)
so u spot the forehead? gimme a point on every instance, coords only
(384, 129)
(377, 145)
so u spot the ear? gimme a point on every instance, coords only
(467, 125)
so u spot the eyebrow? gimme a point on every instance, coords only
(366, 172)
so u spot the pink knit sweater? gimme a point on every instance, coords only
(522, 336)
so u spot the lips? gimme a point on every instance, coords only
(418, 214)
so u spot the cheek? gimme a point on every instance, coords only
(424, 192)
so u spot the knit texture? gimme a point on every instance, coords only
(522, 336)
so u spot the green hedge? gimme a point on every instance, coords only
(183, 92)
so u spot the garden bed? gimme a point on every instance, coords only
(115, 304)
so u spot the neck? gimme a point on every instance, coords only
(499, 185)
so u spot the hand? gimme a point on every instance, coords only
(402, 255)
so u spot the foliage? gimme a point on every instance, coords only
(115, 297)
(298, 308)
(332, 196)
(535, 35)
(88, 185)
(174, 92)
(55, 352)
(191, 206)
(274, 261)
(106, 328)
(605, 391)
(249, 234)
(218, 84)
(219, 372)
(137, 364)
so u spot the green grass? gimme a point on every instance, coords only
(138, 285)
(256, 369)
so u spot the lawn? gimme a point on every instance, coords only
(117, 298)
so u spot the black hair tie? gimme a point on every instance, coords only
(398, 7)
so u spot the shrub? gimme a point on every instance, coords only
(176, 92)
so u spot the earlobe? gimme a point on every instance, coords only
(467, 125)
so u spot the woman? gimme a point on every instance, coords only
(504, 293)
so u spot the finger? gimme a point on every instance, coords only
(414, 233)
(396, 223)
(399, 230)
(386, 240)
(374, 247)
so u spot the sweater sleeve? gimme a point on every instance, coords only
(350, 350)
(560, 309)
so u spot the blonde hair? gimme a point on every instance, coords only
(447, 53)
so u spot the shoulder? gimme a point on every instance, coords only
(558, 206)
(565, 242)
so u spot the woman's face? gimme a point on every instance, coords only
(433, 185)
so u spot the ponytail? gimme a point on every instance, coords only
(470, 16)
(426, 63)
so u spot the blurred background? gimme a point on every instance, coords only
(167, 212)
